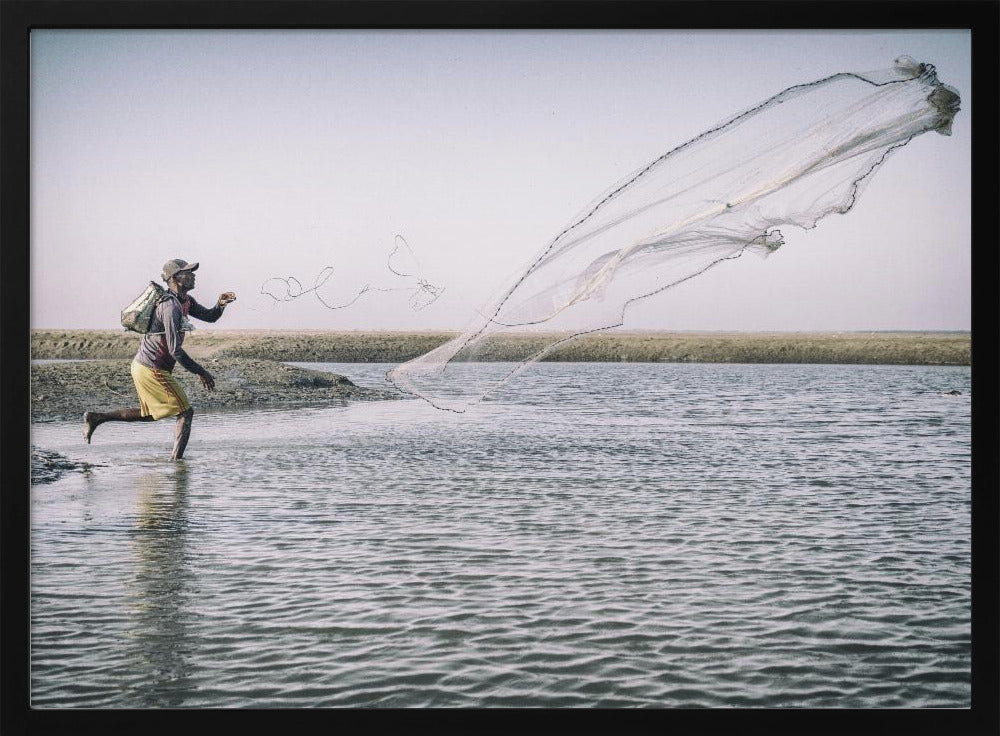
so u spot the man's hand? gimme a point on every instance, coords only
(226, 297)
(207, 380)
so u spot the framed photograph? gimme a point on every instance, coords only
(495, 365)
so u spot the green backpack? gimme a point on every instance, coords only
(138, 315)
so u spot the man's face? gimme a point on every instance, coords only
(185, 279)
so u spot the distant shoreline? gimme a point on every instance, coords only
(889, 348)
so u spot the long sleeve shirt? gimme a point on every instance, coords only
(161, 347)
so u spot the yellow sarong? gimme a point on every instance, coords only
(160, 395)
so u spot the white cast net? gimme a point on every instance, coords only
(791, 160)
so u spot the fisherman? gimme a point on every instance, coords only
(160, 395)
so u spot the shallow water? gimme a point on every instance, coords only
(597, 535)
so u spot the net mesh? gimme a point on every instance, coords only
(795, 158)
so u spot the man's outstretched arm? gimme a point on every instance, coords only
(211, 315)
(175, 338)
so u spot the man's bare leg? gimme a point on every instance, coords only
(93, 419)
(181, 433)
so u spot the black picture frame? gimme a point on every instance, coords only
(17, 18)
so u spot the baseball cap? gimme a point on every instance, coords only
(177, 264)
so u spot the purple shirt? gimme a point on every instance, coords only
(163, 350)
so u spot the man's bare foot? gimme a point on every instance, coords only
(89, 425)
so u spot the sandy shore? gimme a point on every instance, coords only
(63, 391)
(899, 348)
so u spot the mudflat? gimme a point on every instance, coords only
(63, 391)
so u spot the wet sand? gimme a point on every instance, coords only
(64, 391)
(47, 466)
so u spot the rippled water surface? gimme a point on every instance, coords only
(597, 535)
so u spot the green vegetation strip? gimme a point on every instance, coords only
(896, 348)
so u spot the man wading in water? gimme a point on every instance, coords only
(160, 395)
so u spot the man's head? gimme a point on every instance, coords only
(179, 271)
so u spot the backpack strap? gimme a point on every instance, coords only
(186, 325)
(163, 297)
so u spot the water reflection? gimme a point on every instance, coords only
(159, 589)
(612, 537)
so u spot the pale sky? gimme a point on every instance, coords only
(277, 153)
